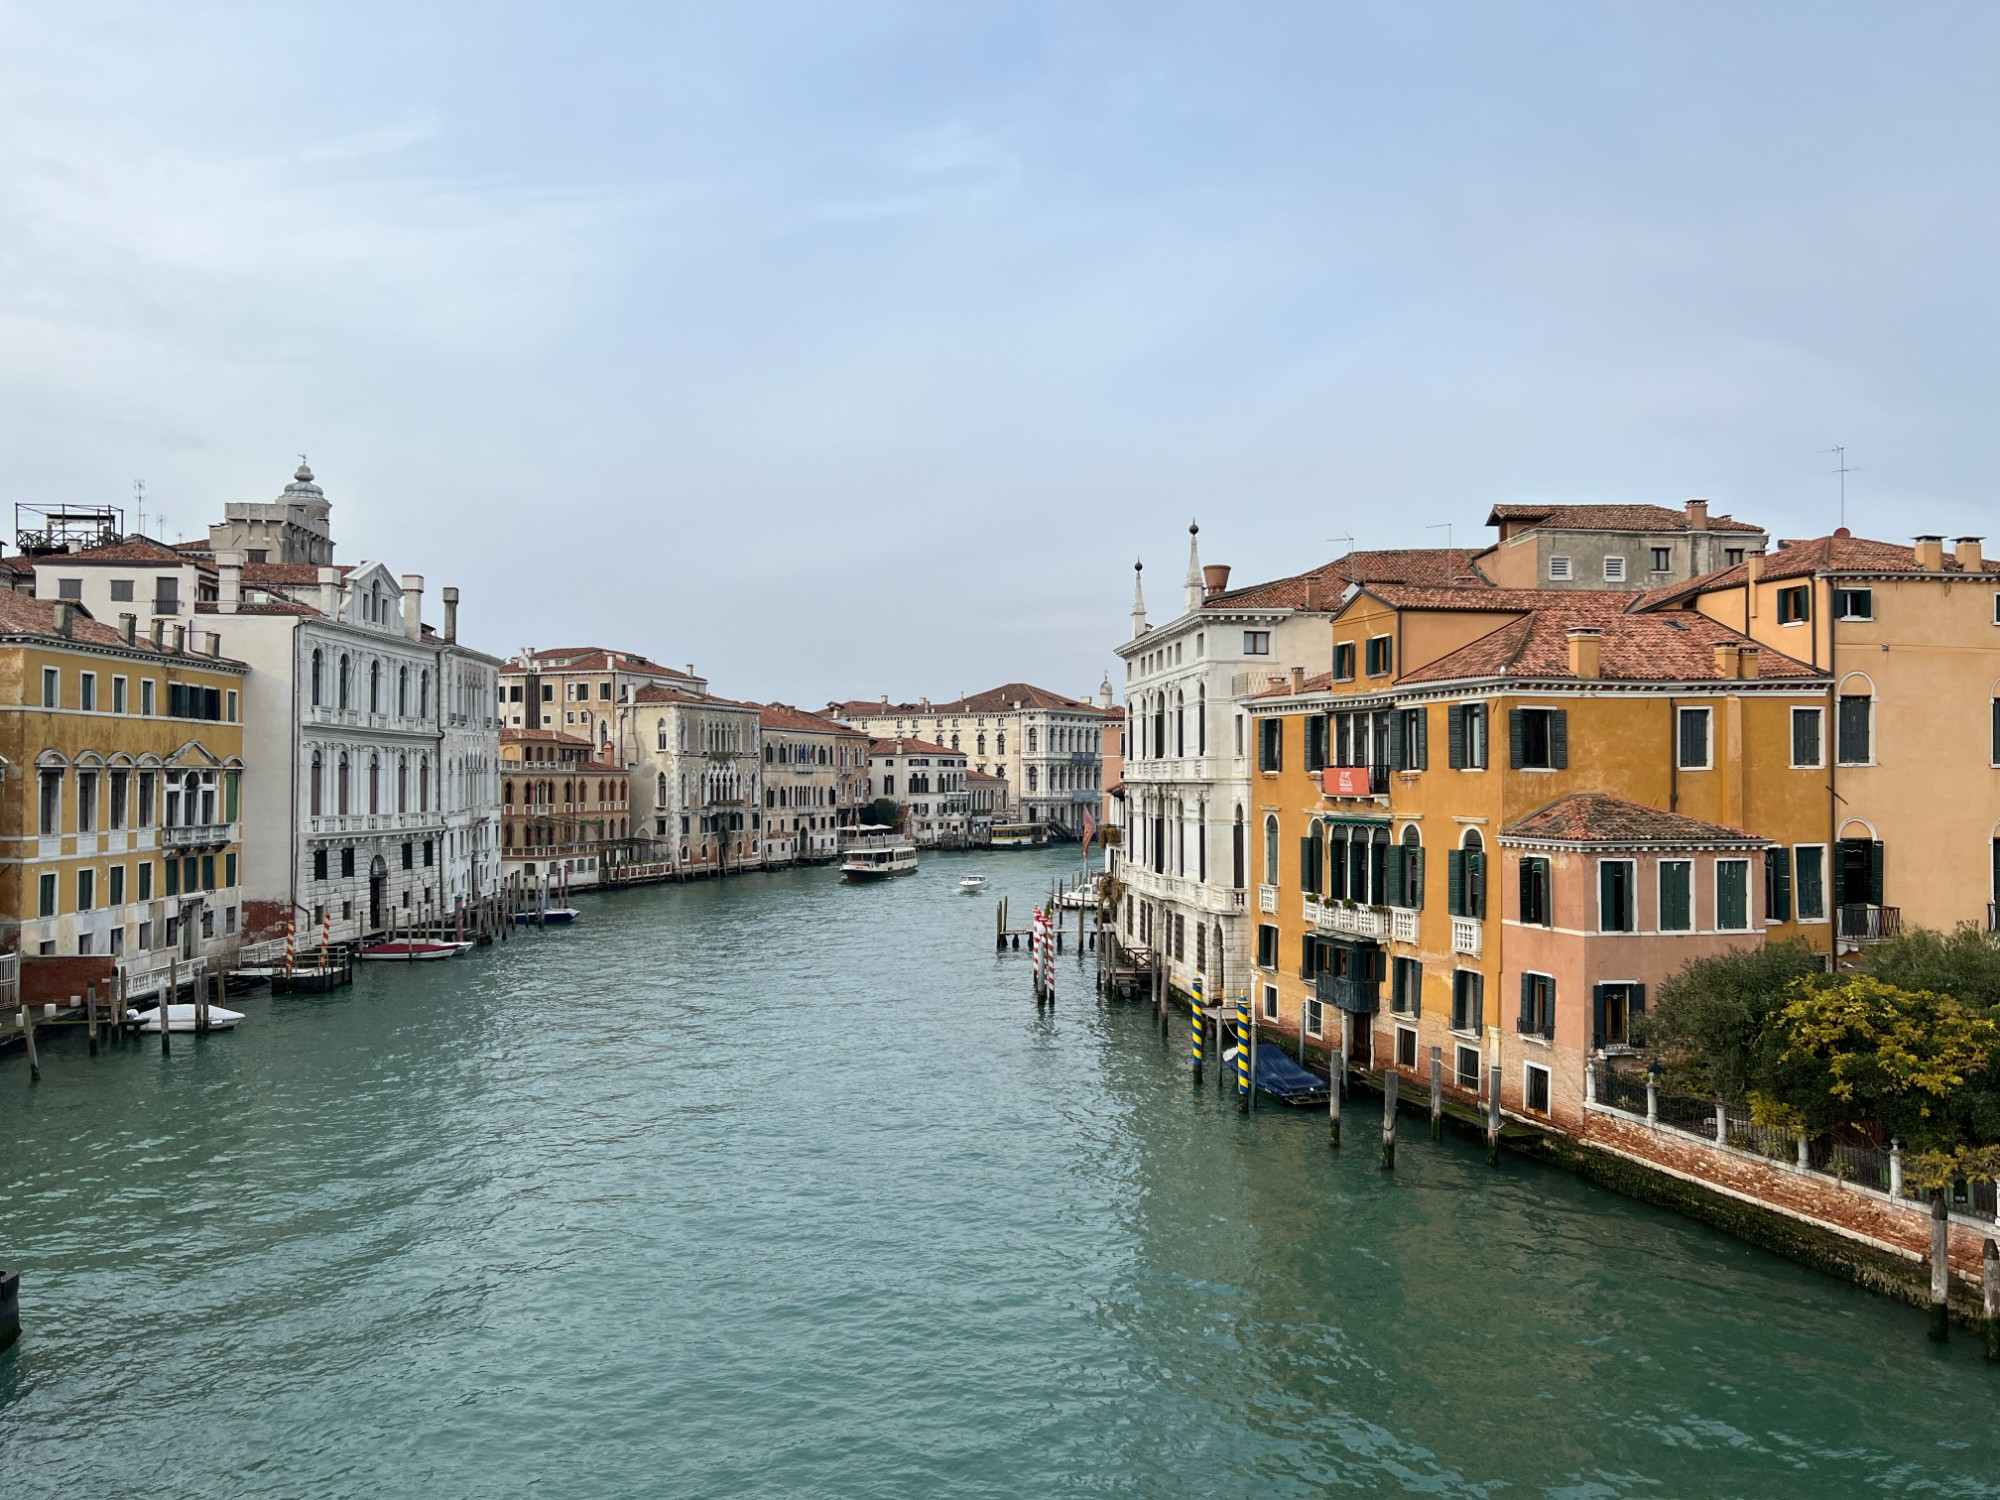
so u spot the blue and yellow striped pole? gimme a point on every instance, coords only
(1242, 1052)
(1198, 1024)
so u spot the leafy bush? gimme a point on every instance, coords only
(1708, 1022)
(1963, 964)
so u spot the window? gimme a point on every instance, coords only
(1315, 1018)
(1778, 884)
(1693, 741)
(1406, 1047)
(120, 782)
(347, 861)
(145, 887)
(1613, 1007)
(1468, 1000)
(145, 818)
(1732, 895)
(319, 864)
(1343, 652)
(1854, 725)
(1409, 740)
(1316, 724)
(1535, 1088)
(1559, 567)
(1795, 605)
(1617, 888)
(86, 802)
(1465, 877)
(115, 889)
(1270, 1002)
(1663, 559)
(1854, 604)
(1270, 847)
(1809, 881)
(87, 692)
(146, 704)
(121, 591)
(1406, 871)
(1807, 744)
(1732, 557)
(1270, 744)
(1538, 738)
(1465, 728)
(1406, 986)
(118, 695)
(1676, 895)
(51, 802)
(69, 588)
(51, 688)
(1381, 655)
(1535, 910)
(45, 893)
(1538, 1006)
(1256, 643)
(1465, 1068)
(1614, 570)
(1267, 947)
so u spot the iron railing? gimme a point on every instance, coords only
(1870, 924)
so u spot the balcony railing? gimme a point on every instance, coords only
(1361, 997)
(1870, 924)
(1403, 925)
(1357, 921)
(195, 835)
(1465, 936)
(1267, 898)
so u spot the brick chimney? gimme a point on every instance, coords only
(1298, 679)
(65, 619)
(1586, 652)
(450, 597)
(229, 587)
(1966, 550)
(1726, 659)
(1929, 553)
(1697, 512)
(1746, 660)
(1214, 578)
(128, 626)
(1313, 604)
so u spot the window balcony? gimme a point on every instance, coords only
(196, 836)
(1267, 899)
(1466, 934)
(1402, 925)
(1862, 925)
(1357, 996)
(1354, 921)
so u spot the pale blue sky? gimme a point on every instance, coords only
(848, 349)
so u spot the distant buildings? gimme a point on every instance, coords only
(815, 783)
(927, 783)
(566, 812)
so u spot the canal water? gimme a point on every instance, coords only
(777, 1187)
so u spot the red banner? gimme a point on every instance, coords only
(1345, 781)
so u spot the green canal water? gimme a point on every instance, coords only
(777, 1187)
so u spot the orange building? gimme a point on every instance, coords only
(565, 813)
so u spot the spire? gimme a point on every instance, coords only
(1138, 600)
(1193, 580)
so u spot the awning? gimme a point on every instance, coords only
(1350, 820)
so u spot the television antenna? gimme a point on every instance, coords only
(1844, 469)
(1447, 532)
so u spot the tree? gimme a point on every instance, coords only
(1708, 1021)
(1857, 1053)
(1963, 964)
(884, 810)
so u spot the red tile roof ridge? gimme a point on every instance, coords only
(1601, 818)
(1611, 516)
(1804, 558)
(1433, 565)
(784, 716)
(907, 745)
(540, 736)
(136, 552)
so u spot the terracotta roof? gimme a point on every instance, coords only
(1677, 647)
(783, 716)
(22, 614)
(971, 776)
(286, 573)
(908, 746)
(1609, 518)
(1459, 596)
(993, 701)
(19, 566)
(652, 692)
(1316, 684)
(136, 552)
(1803, 559)
(544, 737)
(592, 659)
(259, 607)
(1599, 818)
(1427, 565)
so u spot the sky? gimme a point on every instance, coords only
(849, 349)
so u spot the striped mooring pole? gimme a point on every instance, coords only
(1242, 1052)
(1198, 1024)
(1050, 924)
(1035, 953)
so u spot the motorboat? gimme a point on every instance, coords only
(878, 859)
(182, 1018)
(554, 916)
(1084, 897)
(412, 950)
(971, 883)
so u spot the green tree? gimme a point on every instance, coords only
(1708, 1021)
(1855, 1053)
(884, 810)
(1964, 964)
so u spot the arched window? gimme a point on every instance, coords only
(374, 783)
(374, 687)
(346, 679)
(1180, 723)
(660, 791)
(1270, 849)
(1031, 741)
(982, 743)
(1201, 719)
(402, 783)
(1032, 783)
(1412, 856)
(424, 695)
(999, 742)
(318, 774)
(660, 735)
(318, 673)
(507, 793)
(423, 784)
(1471, 873)
(403, 691)
(345, 804)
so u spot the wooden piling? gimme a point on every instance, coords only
(90, 1014)
(1940, 1266)
(1334, 1080)
(121, 1006)
(1493, 1116)
(1989, 1265)
(1390, 1078)
(165, 1004)
(1437, 1093)
(28, 1032)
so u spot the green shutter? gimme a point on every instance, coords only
(1414, 877)
(1477, 984)
(1454, 736)
(1306, 871)
(1778, 885)
(1516, 737)
(1597, 1015)
(1559, 739)
(1423, 719)
(1454, 864)
(1527, 1002)
(1875, 873)
(1475, 883)
(1393, 877)
(1399, 750)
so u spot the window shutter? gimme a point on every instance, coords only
(1475, 884)
(1478, 985)
(1635, 1002)
(1781, 885)
(1393, 877)
(1454, 864)
(1454, 736)
(1527, 1002)
(1559, 739)
(1416, 995)
(1399, 749)
(1875, 873)
(1306, 871)
(1597, 1015)
(1549, 1016)
(1516, 737)
(1306, 957)
(1414, 876)
(1423, 720)
(1607, 897)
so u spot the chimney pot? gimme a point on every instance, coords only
(1966, 550)
(1214, 578)
(1313, 603)
(1929, 553)
(128, 626)
(450, 597)
(1697, 514)
(159, 634)
(1726, 659)
(65, 619)
(1586, 649)
(1746, 660)
(1298, 679)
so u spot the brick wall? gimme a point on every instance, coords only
(54, 980)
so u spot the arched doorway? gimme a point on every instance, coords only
(378, 892)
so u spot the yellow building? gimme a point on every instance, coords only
(1385, 789)
(1909, 638)
(123, 756)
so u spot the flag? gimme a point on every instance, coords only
(1089, 831)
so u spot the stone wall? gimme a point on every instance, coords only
(46, 981)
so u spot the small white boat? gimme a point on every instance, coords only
(555, 916)
(418, 950)
(1084, 896)
(181, 1018)
(971, 883)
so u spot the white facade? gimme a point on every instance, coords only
(469, 764)
(928, 782)
(697, 778)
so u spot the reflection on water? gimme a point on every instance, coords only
(781, 1187)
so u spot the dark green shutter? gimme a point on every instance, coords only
(1607, 891)
(1392, 881)
(1478, 985)
(1781, 885)
(1306, 957)
(1516, 737)
(1399, 750)
(1559, 739)
(1423, 718)
(1527, 1002)
(1597, 1015)
(1416, 986)
(1415, 876)
(1454, 736)
(1306, 863)
(1454, 864)
(1475, 884)
(1875, 873)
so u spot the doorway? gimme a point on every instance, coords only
(378, 893)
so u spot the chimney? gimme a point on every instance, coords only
(1929, 553)
(159, 633)
(65, 619)
(179, 646)
(1214, 578)
(1298, 679)
(128, 626)
(1312, 594)
(1746, 660)
(450, 597)
(1726, 659)
(413, 606)
(1697, 515)
(1586, 648)
(231, 587)
(1966, 550)
(329, 592)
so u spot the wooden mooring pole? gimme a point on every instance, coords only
(1940, 1266)
(1390, 1077)
(1493, 1116)
(1989, 1266)
(28, 1033)
(165, 1007)
(1437, 1093)
(90, 1014)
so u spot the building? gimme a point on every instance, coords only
(1634, 547)
(986, 804)
(927, 782)
(566, 812)
(1439, 869)
(815, 783)
(468, 757)
(696, 764)
(121, 781)
(577, 689)
(1112, 759)
(1047, 746)
(1907, 742)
